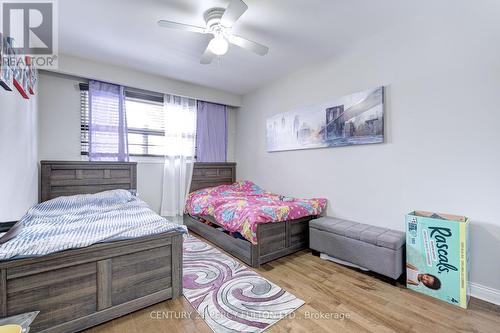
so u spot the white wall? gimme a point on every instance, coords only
(18, 151)
(442, 72)
(135, 79)
(59, 117)
(60, 133)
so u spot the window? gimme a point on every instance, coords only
(146, 127)
(145, 122)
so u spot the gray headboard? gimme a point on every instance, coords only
(59, 178)
(212, 174)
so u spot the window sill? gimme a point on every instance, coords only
(139, 159)
(147, 159)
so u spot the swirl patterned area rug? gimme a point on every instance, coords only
(229, 296)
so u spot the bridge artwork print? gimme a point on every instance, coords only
(355, 119)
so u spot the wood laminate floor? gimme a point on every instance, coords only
(329, 290)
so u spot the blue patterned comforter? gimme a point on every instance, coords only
(82, 220)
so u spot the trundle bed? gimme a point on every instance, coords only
(275, 240)
(80, 288)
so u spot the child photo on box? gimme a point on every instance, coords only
(414, 277)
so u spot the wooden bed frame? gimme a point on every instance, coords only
(275, 240)
(81, 288)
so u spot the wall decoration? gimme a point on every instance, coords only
(355, 119)
(33, 77)
(6, 74)
(19, 69)
(28, 76)
(20, 78)
(16, 71)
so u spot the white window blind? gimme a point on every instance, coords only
(84, 121)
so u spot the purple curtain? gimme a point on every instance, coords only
(107, 123)
(211, 132)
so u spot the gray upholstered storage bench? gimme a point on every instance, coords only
(378, 249)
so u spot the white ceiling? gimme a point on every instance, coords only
(298, 32)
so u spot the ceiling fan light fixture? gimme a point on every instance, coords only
(218, 45)
(219, 23)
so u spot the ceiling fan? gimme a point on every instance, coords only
(219, 22)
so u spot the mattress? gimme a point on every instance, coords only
(242, 206)
(82, 220)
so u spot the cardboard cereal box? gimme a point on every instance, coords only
(437, 256)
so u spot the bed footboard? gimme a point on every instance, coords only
(78, 289)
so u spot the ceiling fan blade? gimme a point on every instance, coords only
(181, 26)
(233, 12)
(207, 57)
(249, 45)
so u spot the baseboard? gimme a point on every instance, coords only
(485, 293)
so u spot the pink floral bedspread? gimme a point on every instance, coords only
(240, 207)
